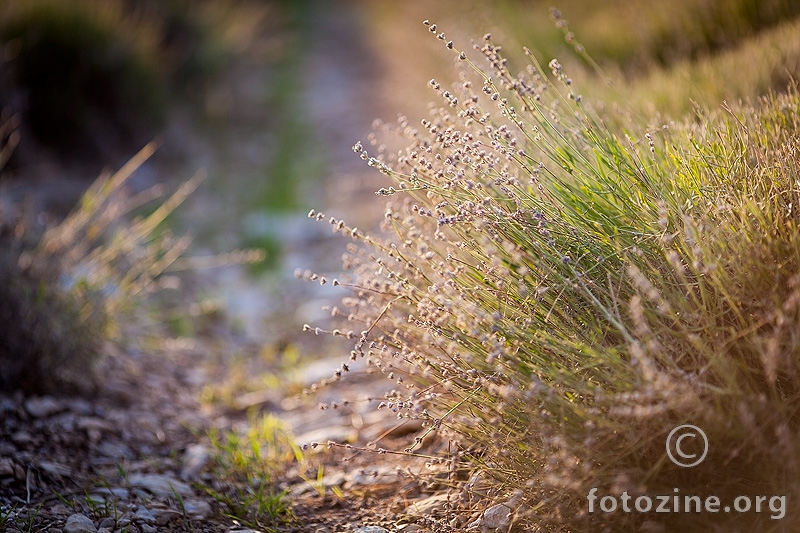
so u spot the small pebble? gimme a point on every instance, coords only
(79, 523)
(197, 509)
(42, 406)
(6, 467)
(166, 516)
(143, 514)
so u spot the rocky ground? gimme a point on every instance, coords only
(135, 456)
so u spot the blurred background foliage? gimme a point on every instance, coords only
(94, 80)
(637, 36)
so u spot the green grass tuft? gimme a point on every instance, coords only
(246, 464)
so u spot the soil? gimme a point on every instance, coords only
(136, 456)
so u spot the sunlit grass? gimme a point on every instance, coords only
(656, 33)
(245, 466)
(754, 67)
(671, 55)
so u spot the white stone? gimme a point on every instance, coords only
(42, 406)
(143, 514)
(55, 469)
(372, 529)
(197, 509)
(495, 517)
(6, 467)
(381, 475)
(428, 505)
(194, 459)
(321, 436)
(160, 485)
(79, 523)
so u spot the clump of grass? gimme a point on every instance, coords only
(763, 63)
(65, 289)
(45, 333)
(560, 288)
(245, 466)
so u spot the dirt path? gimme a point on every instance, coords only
(134, 455)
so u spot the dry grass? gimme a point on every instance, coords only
(68, 288)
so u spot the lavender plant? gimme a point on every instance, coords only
(559, 288)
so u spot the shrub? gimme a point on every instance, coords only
(80, 77)
(560, 288)
(45, 336)
(66, 289)
(92, 79)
